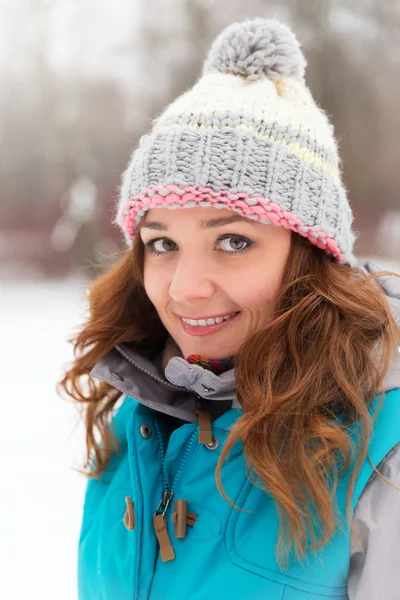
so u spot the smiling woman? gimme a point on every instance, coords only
(285, 407)
(196, 270)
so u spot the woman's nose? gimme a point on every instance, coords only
(192, 278)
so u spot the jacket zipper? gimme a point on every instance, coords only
(169, 490)
(159, 379)
(159, 517)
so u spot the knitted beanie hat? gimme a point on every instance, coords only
(249, 137)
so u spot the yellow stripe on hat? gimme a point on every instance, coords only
(312, 158)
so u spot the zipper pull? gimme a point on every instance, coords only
(160, 527)
(164, 503)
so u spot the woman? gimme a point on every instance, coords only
(239, 374)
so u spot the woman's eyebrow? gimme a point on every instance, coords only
(203, 224)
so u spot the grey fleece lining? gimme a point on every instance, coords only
(176, 393)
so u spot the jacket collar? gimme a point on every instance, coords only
(175, 387)
(168, 384)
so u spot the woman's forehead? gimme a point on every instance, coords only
(202, 217)
(196, 213)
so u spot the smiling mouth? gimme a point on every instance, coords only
(208, 321)
(207, 328)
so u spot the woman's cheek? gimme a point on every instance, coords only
(152, 283)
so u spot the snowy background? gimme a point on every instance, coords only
(80, 83)
(40, 442)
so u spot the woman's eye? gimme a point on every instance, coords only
(164, 245)
(237, 243)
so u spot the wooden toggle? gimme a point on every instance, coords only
(182, 518)
(129, 515)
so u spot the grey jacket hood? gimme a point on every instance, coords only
(171, 385)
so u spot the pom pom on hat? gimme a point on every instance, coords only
(255, 49)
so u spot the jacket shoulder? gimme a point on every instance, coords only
(385, 436)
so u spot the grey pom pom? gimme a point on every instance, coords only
(257, 48)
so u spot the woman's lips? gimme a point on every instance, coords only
(207, 329)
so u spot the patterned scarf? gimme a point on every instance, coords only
(216, 365)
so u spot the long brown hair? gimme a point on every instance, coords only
(324, 354)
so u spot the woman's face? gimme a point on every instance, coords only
(207, 269)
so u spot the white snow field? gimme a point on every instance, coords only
(41, 442)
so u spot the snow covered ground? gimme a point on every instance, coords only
(40, 442)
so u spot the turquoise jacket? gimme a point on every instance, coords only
(220, 552)
(227, 553)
